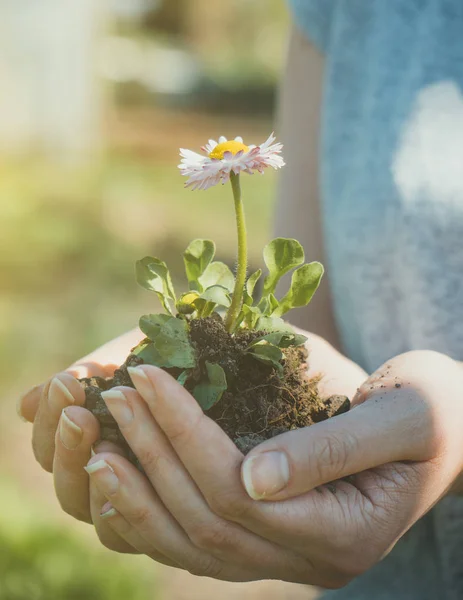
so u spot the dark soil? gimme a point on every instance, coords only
(259, 403)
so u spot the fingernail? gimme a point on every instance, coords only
(104, 476)
(70, 434)
(141, 381)
(58, 395)
(108, 511)
(266, 474)
(118, 406)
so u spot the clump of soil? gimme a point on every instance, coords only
(258, 404)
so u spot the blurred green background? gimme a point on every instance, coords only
(96, 99)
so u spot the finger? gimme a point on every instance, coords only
(28, 404)
(228, 541)
(78, 430)
(382, 431)
(100, 363)
(62, 391)
(124, 530)
(106, 534)
(209, 455)
(214, 463)
(131, 495)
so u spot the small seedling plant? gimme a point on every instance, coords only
(225, 339)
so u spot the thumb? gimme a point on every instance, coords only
(384, 430)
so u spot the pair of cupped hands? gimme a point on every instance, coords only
(276, 513)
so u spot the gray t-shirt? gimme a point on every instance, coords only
(392, 204)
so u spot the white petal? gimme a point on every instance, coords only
(222, 139)
(204, 172)
(190, 156)
(209, 147)
(268, 142)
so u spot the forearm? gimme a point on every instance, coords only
(298, 212)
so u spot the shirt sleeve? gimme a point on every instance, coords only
(314, 18)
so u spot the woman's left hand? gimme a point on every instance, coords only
(276, 514)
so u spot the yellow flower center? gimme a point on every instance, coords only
(232, 146)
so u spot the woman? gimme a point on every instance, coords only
(384, 80)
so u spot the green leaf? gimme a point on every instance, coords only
(218, 295)
(250, 287)
(210, 298)
(273, 304)
(154, 276)
(171, 345)
(203, 307)
(299, 340)
(217, 273)
(282, 339)
(151, 325)
(304, 284)
(149, 354)
(272, 324)
(209, 393)
(197, 257)
(281, 255)
(268, 354)
(264, 306)
(251, 315)
(186, 303)
(268, 304)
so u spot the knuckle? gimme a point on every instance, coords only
(229, 506)
(150, 461)
(206, 566)
(120, 525)
(212, 537)
(180, 432)
(139, 518)
(330, 456)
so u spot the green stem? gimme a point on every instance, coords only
(237, 300)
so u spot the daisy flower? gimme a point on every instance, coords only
(222, 158)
